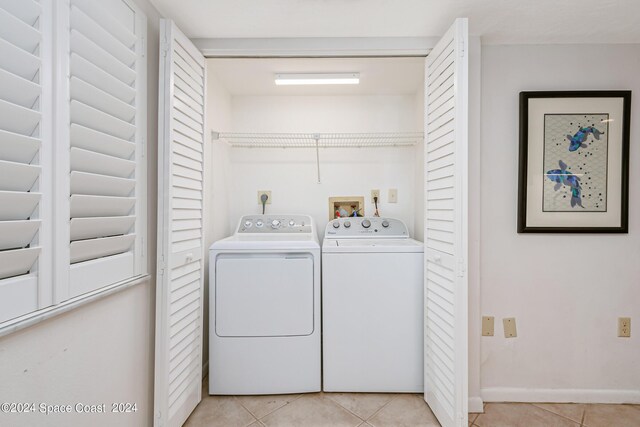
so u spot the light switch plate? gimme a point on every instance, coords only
(375, 193)
(268, 193)
(393, 195)
(487, 326)
(624, 327)
(509, 324)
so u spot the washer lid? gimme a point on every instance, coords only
(372, 245)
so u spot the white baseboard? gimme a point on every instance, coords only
(476, 405)
(550, 395)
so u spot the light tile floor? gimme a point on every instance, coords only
(393, 410)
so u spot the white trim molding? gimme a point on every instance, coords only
(551, 395)
(315, 46)
(476, 405)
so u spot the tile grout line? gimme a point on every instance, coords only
(562, 416)
(362, 421)
(243, 407)
(383, 406)
(268, 413)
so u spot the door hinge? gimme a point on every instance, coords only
(461, 268)
(161, 267)
(461, 48)
(143, 151)
(143, 42)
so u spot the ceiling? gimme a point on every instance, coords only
(497, 21)
(378, 76)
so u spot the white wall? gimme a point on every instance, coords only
(566, 291)
(291, 174)
(101, 352)
(216, 179)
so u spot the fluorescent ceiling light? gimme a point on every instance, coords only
(318, 79)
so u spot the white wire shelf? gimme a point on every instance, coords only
(320, 140)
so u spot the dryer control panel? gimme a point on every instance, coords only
(367, 227)
(270, 224)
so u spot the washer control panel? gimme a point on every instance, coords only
(269, 224)
(366, 227)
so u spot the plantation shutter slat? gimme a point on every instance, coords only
(17, 234)
(89, 228)
(25, 156)
(100, 185)
(18, 61)
(106, 87)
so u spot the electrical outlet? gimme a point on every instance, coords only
(624, 327)
(487, 326)
(375, 193)
(260, 193)
(393, 195)
(509, 324)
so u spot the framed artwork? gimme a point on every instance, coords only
(574, 162)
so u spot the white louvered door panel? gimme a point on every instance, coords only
(106, 110)
(445, 328)
(25, 156)
(179, 295)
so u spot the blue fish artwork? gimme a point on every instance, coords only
(577, 141)
(563, 177)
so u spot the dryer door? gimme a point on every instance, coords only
(264, 295)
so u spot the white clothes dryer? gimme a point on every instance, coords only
(264, 305)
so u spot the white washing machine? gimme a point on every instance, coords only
(372, 307)
(264, 305)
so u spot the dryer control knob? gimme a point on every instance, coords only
(248, 224)
(275, 223)
(347, 224)
(259, 223)
(292, 223)
(336, 224)
(366, 223)
(385, 223)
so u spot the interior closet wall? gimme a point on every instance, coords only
(101, 352)
(217, 176)
(565, 291)
(291, 173)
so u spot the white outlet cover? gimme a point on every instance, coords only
(375, 193)
(509, 324)
(393, 195)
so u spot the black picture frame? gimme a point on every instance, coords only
(523, 174)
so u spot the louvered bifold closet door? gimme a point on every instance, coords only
(446, 175)
(25, 156)
(106, 135)
(179, 295)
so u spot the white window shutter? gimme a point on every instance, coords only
(103, 169)
(446, 175)
(25, 156)
(179, 294)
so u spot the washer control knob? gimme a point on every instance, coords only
(275, 223)
(292, 223)
(385, 223)
(366, 223)
(336, 224)
(347, 224)
(248, 224)
(259, 223)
